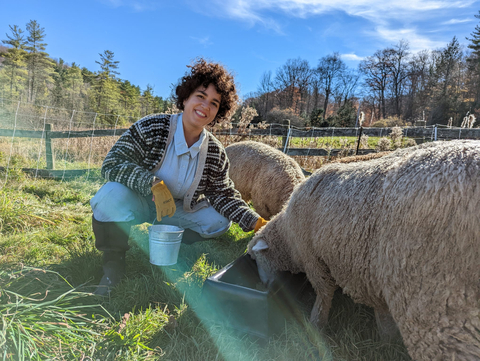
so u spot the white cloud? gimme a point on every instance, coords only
(352, 57)
(416, 41)
(380, 13)
(457, 21)
(374, 10)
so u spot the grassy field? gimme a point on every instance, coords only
(49, 267)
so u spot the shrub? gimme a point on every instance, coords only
(384, 144)
(364, 141)
(409, 142)
(280, 116)
(396, 135)
(389, 122)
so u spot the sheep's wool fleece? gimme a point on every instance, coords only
(263, 175)
(399, 233)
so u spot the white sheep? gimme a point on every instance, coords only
(264, 175)
(400, 233)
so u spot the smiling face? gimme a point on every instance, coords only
(200, 108)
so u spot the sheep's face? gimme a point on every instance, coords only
(259, 252)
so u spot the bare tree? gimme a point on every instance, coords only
(292, 79)
(377, 70)
(330, 68)
(265, 89)
(416, 83)
(348, 84)
(399, 72)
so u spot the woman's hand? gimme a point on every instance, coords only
(164, 203)
(260, 223)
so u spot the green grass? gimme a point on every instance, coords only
(49, 266)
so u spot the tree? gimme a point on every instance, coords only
(474, 62)
(148, 101)
(348, 84)
(15, 60)
(293, 79)
(129, 97)
(105, 87)
(58, 92)
(399, 58)
(40, 66)
(444, 90)
(329, 69)
(108, 66)
(264, 90)
(75, 89)
(345, 117)
(377, 71)
(416, 84)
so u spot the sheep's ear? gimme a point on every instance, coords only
(260, 246)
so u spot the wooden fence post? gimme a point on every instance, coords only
(49, 147)
(285, 137)
(358, 141)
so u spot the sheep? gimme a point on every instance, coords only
(400, 234)
(264, 175)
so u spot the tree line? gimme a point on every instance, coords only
(391, 87)
(394, 86)
(28, 74)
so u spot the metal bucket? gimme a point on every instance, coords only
(164, 243)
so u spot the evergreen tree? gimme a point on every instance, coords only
(147, 101)
(474, 62)
(88, 76)
(445, 94)
(40, 66)
(475, 41)
(15, 61)
(69, 91)
(58, 92)
(130, 95)
(106, 93)
(75, 88)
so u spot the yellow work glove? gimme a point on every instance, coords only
(260, 223)
(163, 199)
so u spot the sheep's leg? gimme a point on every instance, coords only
(321, 309)
(387, 327)
(324, 287)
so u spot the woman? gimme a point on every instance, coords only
(183, 164)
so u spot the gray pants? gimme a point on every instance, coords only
(115, 202)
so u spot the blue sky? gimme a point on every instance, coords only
(155, 40)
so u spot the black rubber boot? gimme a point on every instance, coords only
(112, 239)
(113, 271)
(190, 237)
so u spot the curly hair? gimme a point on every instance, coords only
(206, 73)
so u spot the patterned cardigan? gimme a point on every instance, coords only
(140, 151)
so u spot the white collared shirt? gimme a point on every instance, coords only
(180, 162)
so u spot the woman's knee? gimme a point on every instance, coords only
(215, 228)
(115, 202)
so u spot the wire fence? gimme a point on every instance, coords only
(59, 143)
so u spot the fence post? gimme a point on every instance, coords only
(285, 137)
(358, 141)
(49, 147)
